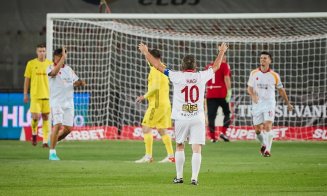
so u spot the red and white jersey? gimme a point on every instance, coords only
(62, 87)
(264, 83)
(188, 96)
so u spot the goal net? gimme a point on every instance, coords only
(103, 51)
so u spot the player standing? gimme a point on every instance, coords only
(261, 88)
(218, 94)
(36, 77)
(158, 114)
(188, 107)
(62, 81)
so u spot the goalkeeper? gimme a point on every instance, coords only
(219, 93)
(158, 114)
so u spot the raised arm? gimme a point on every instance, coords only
(222, 49)
(153, 61)
(56, 69)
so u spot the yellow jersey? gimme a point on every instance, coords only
(158, 89)
(37, 72)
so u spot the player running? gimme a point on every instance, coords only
(261, 88)
(35, 74)
(62, 81)
(188, 107)
(158, 114)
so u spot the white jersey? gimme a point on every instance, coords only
(188, 97)
(62, 87)
(264, 83)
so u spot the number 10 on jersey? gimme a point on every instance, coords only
(191, 93)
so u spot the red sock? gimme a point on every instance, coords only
(212, 135)
(223, 130)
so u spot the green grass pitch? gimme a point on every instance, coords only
(107, 168)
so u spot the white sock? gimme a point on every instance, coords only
(265, 137)
(261, 138)
(179, 162)
(270, 137)
(196, 164)
(52, 151)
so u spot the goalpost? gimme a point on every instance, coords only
(102, 49)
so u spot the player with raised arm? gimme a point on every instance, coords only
(188, 107)
(158, 114)
(261, 88)
(35, 74)
(62, 81)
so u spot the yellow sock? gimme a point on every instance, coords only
(34, 126)
(167, 141)
(148, 140)
(45, 130)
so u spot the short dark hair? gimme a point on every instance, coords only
(155, 53)
(266, 53)
(41, 45)
(188, 62)
(57, 52)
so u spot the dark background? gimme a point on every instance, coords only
(23, 22)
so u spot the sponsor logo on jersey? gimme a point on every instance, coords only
(190, 107)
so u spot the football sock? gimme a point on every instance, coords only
(212, 135)
(223, 130)
(169, 147)
(45, 130)
(148, 140)
(179, 162)
(261, 138)
(34, 126)
(196, 164)
(52, 151)
(270, 137)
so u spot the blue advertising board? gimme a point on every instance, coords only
(15, 114)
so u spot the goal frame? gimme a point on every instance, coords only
(51, 16)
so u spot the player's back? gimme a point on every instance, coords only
(161, 82)
(189, 89)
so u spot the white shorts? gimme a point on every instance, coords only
(262, 113)
(64, 116)
(192, 130)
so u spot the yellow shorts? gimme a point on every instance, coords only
(40, 106)
(159, 118)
